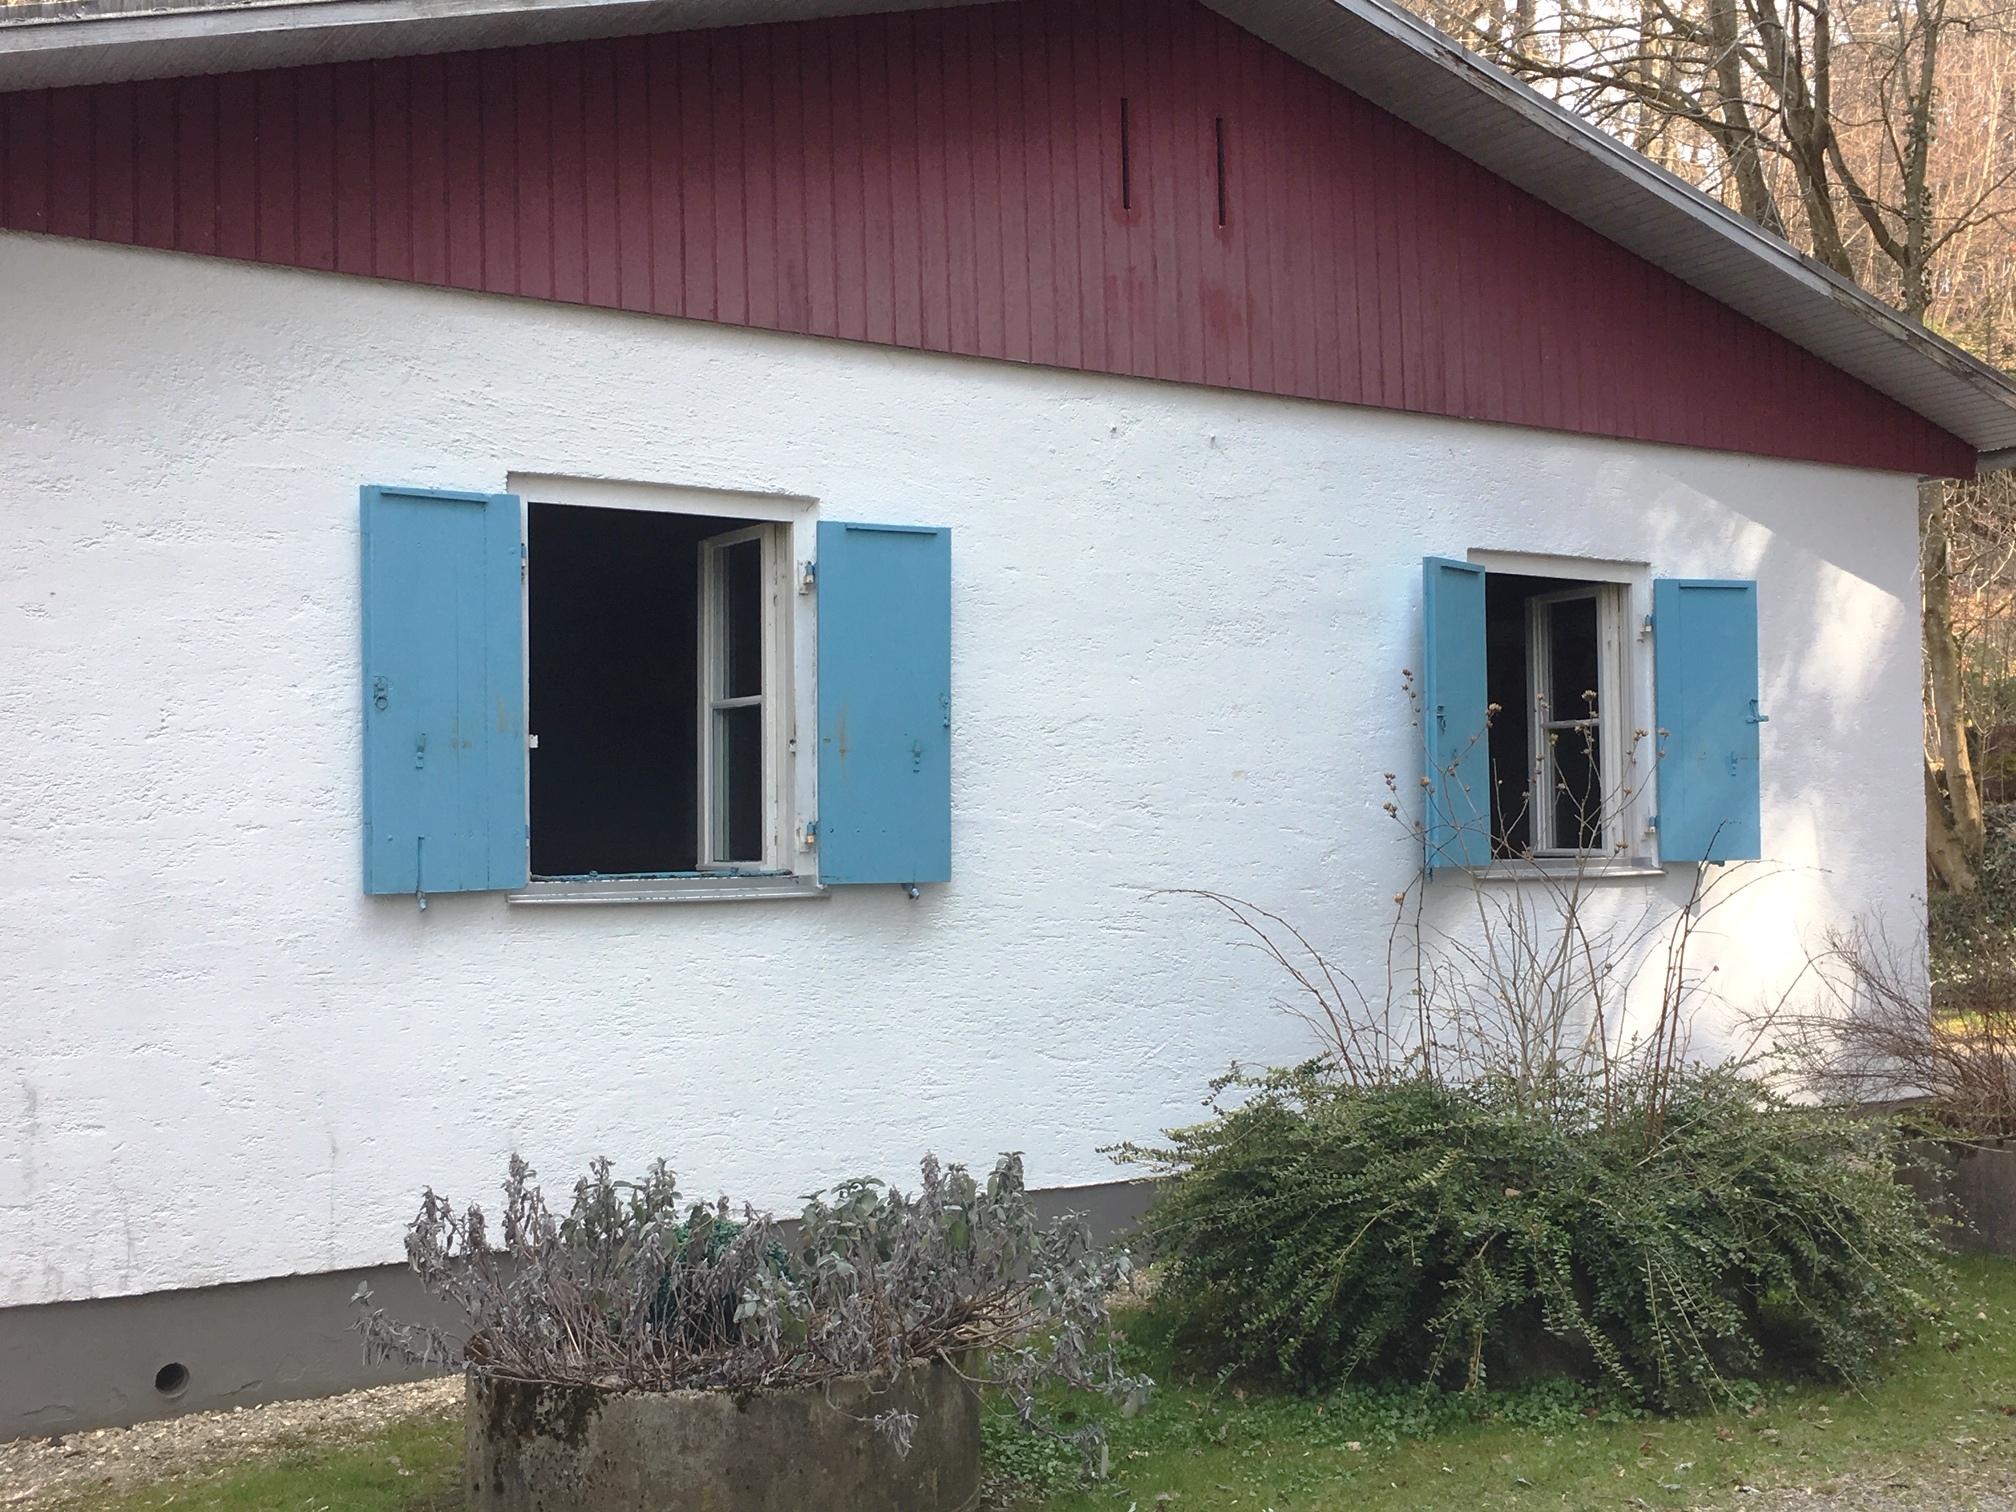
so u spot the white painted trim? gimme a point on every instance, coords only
(1538, 564)
(1567, 868)
(779, 748)
(667, 498)
(727, 888)
(791, 633)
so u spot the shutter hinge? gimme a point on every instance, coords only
(808, 576)
(808, 836)
(523, 571)
(1645, 629)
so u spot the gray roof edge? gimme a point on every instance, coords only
(1519, 135)
(43, 50)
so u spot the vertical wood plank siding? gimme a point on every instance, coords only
(952, 180)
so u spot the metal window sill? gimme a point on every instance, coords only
(722, 889)
(1566, 869)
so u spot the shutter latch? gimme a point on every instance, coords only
(1753, 717)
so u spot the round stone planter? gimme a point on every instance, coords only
(575, 1449)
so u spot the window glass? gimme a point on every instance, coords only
(738, 779)
(1572, 653)
(742, 619)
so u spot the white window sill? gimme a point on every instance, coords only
(1567, 869)
(722, 889)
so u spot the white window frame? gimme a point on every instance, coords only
(1613, 754)
(1624, 670)
(791, 636)
(713, 661)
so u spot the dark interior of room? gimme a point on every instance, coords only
(612, 623)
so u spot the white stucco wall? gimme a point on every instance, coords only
(1180, 622)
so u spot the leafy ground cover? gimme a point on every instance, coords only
(1940, 1431)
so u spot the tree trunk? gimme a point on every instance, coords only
(1942, 846)
(1942, 673)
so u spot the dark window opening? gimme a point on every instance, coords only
(1543, 649)
(613, 628)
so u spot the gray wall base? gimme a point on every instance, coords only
(70, 1366)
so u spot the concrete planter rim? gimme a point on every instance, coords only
(477, 1373)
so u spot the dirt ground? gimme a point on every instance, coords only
(37, 1473)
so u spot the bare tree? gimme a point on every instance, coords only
(1825, 121)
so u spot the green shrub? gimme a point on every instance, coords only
(1673, 1237)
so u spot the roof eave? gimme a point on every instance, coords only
(1372, 47)
(48, 52)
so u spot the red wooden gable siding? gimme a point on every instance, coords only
(954, 180)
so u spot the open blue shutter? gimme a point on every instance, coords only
(885, 703)
(1704, 636)
(444, 726)
(1455, 715)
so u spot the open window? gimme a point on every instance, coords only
(658, 702)
(607, 697)
(1534, 748)
(1562, 758)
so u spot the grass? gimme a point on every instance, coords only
(413, 1466)
(1944, 1421)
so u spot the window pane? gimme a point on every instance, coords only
(1578, 788)
(1572, 658)
(738, 784)
(741, 620)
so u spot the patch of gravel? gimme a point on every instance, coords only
(1966, 1482)
(49, 1472)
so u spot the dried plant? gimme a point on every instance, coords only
(1530, 984)
(1872, 1033)
(637, 1289)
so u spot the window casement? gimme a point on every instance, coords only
(618, 693)
(1536, 751)
(1578, 780)
(742, 703)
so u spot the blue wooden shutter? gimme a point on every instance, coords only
(1455, 715)
(1704, 636)
(885, 703)
(444, 727)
